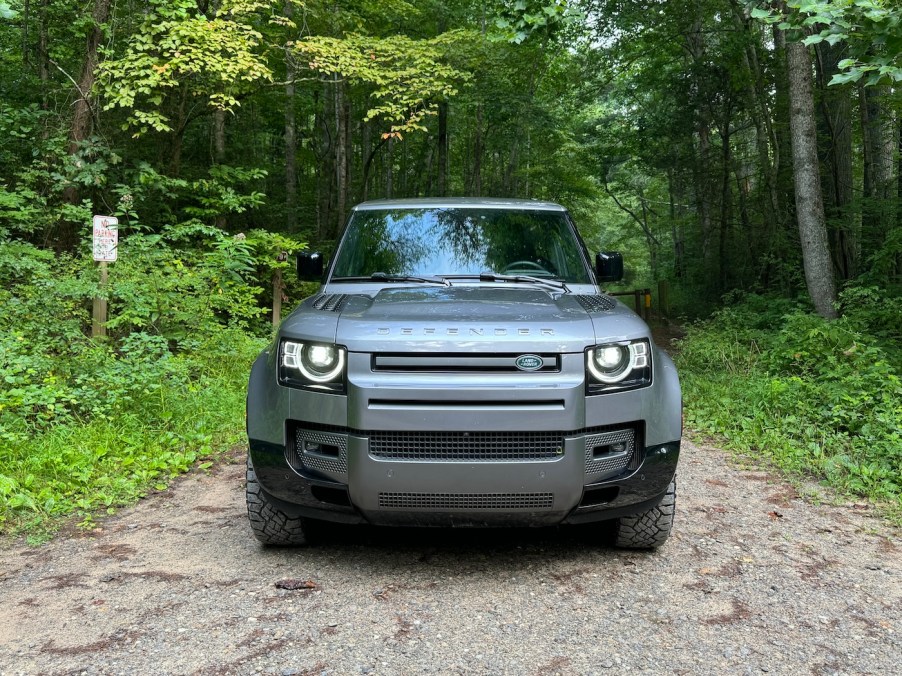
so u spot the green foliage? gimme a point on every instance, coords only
(87, 424)
(408, 77)
(871, 29)
(179, 46)
(518, 20)
(811, 396)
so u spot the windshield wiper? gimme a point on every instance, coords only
(527, 279)
(385, 277)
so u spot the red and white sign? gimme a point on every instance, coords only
(106, 238)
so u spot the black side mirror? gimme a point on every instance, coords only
(310, 266)
(609, 266)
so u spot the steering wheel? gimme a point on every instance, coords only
(524, 265)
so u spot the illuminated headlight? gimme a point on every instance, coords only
(618, 366)
(312, 365)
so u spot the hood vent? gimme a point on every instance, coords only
(596, 303)
(330, 302)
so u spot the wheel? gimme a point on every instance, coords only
(271, 526)
(650, 529)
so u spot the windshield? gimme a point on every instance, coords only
(460, 242)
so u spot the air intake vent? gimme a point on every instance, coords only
(466, 501)
(320, 451)
(596, 303)
(608, 454)
(330, 302)
(467, 446)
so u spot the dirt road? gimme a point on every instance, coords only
(754, 580)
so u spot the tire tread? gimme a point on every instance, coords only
(649, 529)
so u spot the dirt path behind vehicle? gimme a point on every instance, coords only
(753, 580)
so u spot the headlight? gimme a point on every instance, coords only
(618, 366)
(312, 365)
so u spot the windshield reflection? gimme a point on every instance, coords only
(460, 242)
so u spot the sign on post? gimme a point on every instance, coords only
(106, 248)
(106, 238)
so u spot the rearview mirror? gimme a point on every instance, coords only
(310, 266)
(609, 266)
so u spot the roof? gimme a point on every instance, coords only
(459, 202)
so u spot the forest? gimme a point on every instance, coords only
(745, 154)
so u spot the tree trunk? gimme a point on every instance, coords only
(44, 56)
(781, 236)
(219, 151)
(291, 139)
(761, 117)
(477, 154)
(836, 119)
(82, 119)
(178, 135)
(442, 148)
(83, 115)
(388, 168)
(726, 199)
(342, 156)
(809, 200)
(325, 160)
(695, 43)
(219, 136)
(878, 144)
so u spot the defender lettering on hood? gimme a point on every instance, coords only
(461, 364)
(456, 331)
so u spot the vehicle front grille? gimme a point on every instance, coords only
(466, 501)
(467, 446)
(596, 303)
(462, 363)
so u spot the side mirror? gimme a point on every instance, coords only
(609, 266)
(310, 266)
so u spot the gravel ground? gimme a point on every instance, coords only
(753, 580)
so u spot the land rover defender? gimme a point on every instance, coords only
(461, 365)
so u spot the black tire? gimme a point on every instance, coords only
(650, 529)
(271, 526)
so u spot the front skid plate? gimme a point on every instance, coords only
(388, 491)
(635, 493)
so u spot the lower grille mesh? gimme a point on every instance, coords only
(302, 458)
(467, 446)
(615, 463)
(466, 501)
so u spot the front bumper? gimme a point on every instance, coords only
(565, 488)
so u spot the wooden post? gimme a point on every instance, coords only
(276, 298)
(98, 323)
(647, 294)
(277, 288)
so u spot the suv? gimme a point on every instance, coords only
(461, 366)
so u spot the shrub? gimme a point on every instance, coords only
(810, 395)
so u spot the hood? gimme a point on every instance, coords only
(474, 318)
(464, 319)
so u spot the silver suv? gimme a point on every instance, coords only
(460, 365)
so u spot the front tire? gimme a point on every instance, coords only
(650, 529)
(271, 526)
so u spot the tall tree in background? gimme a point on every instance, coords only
(809, 199)
(665, 127)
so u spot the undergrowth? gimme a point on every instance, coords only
(812, 397)
(90, 424)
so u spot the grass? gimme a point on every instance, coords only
(809, 397)
(84, 468)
